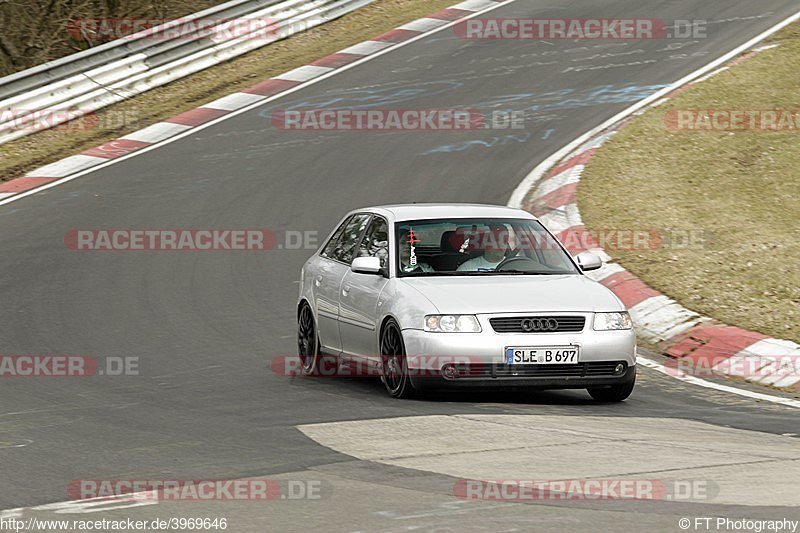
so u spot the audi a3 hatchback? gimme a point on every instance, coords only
(459, 295)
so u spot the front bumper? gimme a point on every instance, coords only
(478, 359)
(526, 381)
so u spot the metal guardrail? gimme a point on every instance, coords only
(70, 87)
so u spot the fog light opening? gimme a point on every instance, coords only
(449, 371)
(620, 368)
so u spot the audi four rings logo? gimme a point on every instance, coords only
(539, 324)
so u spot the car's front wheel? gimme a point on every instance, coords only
(307, 341)
(614, 393)
(395, 366)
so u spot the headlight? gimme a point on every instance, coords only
(607, 321)
(452, 324)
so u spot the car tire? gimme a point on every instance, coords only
(394, 368)
(307, 341)
(614, 393)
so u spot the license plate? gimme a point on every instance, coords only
(543, 355)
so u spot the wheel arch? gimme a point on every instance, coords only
(304, 301)
(389, 317)
(385, 320)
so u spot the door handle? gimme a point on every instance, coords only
(345, 290)
(318, 281)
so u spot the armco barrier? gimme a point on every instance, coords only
(49, 94)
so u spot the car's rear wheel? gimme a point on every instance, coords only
(395, 366)
(307, 341)
(614, 393)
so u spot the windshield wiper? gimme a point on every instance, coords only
(484, 273)
(425, 274)
(530, 273)
(449, 273)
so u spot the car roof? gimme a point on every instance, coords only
(401, 212)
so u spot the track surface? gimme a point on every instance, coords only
(205, 325)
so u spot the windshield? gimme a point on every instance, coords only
(480, 247)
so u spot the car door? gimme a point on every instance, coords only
(335, 260)
(360, 292)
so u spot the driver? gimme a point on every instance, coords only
(404, 247)
(495, 249)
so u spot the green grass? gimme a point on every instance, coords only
(740, 190)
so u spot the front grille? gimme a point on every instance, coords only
(500, 370)
(538, 324)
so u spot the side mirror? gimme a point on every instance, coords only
(588, 261)
(366, 265)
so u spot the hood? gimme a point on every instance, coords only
(515, 294)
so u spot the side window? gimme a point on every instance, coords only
(328, 250)
(376, 241)
(346, 245)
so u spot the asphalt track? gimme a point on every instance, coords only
(205, 325)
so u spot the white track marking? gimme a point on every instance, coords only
(156, 133)
(304, 73)
(102, 503)
(605, 271)
(562, 218)
(682, 376)
(553, 183)
(66, 166)
(472, 5)
(366, 48)
(423, 24)
(663, 318)
(194, 129)
(772, 348)
(234, 101)
(776, 359)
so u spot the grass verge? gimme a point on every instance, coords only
(736, 193)
(28, 153)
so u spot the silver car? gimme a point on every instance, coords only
(459, 295)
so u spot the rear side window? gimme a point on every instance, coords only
(328, 250)
(346, 244)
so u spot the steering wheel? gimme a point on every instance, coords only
(514, 260)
